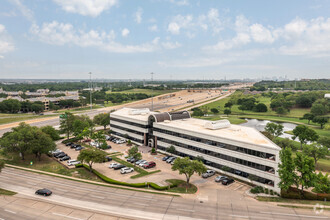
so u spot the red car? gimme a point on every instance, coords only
(150, 164)
(87, 140)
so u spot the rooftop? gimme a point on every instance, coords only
(231, 132)
(137, 114)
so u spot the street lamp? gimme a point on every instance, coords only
(90, 89)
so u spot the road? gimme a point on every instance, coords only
(136, 205)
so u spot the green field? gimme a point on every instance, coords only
(146, 91)
(20, 117)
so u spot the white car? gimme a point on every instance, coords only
(126, 170)
(142, 163)
(55, 151)
(112, 165)
(73, 162)
(121, 141)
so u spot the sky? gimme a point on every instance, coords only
(175, 39)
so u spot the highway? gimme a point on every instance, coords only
(137, 205)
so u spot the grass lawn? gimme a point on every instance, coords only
(297, 201)
(21, 117)
(321, 165)
(49, 165)
(146, 91)
(6, 192)
(182, 187)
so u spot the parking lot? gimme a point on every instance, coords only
(207, 187)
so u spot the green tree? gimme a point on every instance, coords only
(214, 110)
(318, 109)
(261, 107)
(320, 120)
(79, 126)
(308, 116)
(171, 150)
(229, 105)
(188, 167)
(99, 138)
(322, 183)
(102, 119)
(205, 109)
(304, 134)
(37, 108)
(2, 165)
(274, 129)
(324, 141)
(91, 156)
(42, 143)
(281, 111)
(51, 131)
(284, 143)
(315, 151)
(66, 123)
(286, 169)
(305, 168)
(227, 112)
(134, 153)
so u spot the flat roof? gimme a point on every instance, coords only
(125, 112)
(233, 132)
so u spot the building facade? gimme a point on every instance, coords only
(238, 151)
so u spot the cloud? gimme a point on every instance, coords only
(91, 8)
(171, 45)
(26, 12)
(179, 22)
(6, 44)
(60, 34)
(125, 32)
(261, 34)
(153, 28)
(138, 15)
(180, 2)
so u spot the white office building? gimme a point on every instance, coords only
(235, 150)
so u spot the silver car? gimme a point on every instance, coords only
(220, 178)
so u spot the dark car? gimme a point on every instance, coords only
(129, 159)
(119, 167)
(79, 148)
(107, 159)
(150, 164)
(44, 192)
(227, 181)
(62, 154)
(165, 158)
(68, 144)
(74, 145)
(57, 153)
(65, 158)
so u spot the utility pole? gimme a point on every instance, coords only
(152, 91)
(90, 89)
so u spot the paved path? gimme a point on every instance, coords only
(226, 204)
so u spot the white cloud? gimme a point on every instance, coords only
(6, 44)
(261, 34)
(86, 7)
(153, 28)
(174, 28)
(138, 15)
(179, 22)
(171, 45)
(26, 12)
(180, 2)
(56, 33)
(125, 32)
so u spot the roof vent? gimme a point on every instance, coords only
(142, 111)
(213, 125)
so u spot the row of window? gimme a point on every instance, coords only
(128, 122)
(127, 129)
(131, 138)
(227, 169)
(218, 144)
(219, 155)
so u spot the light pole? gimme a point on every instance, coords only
(90, 90)
(152, 91)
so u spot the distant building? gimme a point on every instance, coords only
(327, 96)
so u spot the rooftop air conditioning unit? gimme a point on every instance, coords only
(213, 125)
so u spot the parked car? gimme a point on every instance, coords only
(227, 181)
(57, 151)
(68, 144)
(107, 159)
(208, 173)
(165, 158)
(169, 160)
(113, 165)
(73, 162)
(65, 158)
(126, 170)
(59, 155)
(79, 148)
(107, 137)
(74, 146)
(44, 192)
(173, 161)
(150, 164)
(87, 140)
(140, 161)
(220, 178)
(119, 167)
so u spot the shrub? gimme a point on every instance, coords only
(266, 191)
(293, 193)
(271, 192)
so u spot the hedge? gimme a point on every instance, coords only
(74, 139)
(137, 185)
(293, 193)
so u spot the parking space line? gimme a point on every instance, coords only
(238, 187)
(186, 210)
(239, 216)
(7, 210)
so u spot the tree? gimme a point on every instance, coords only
(205, 109)
(320, 120)
(281, 111)
(305, 168)
(99, 138)
(51, 131)
(284, 143)
(274, 129)
(229, 105)
(37, 107)
(324, 141)
(304, 101)
(2, 165)
(171, 150)
(304, 134)
(134, 153)
(261, 107)
(66, 123)
(308, 116)
(188, 167)
(318, 109)
(286, 169)
(315, 151)
(197, 112)
(91, 156)
(42, 143)
(214, 110)
(19, 140)
(102, 119)
(79, 126)
(322, 183)
(227, 112)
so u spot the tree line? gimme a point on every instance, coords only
(315, 84)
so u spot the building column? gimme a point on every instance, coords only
(155, 144)
(145, 139)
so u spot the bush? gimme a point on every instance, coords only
(293, 193)
(266, 191)
(271, 192)
(257, 189)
